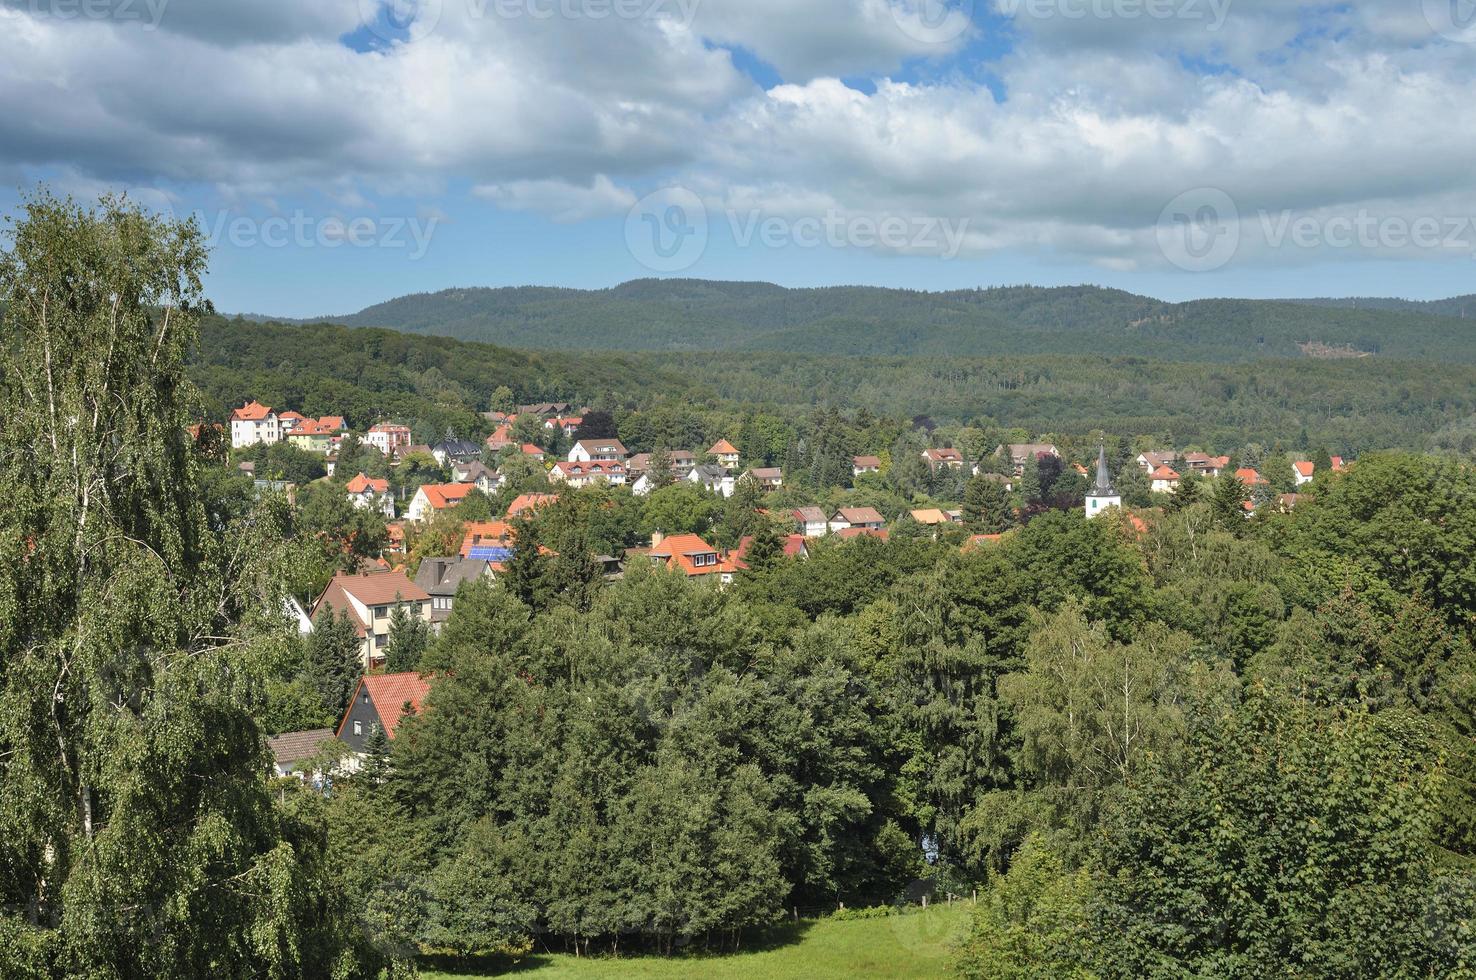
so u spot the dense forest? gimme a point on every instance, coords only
(1348, 406)
(693, 315)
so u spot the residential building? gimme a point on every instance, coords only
(454, 450)
(1020, 453)
(588, 474)
(545, 409)
(861, 465)
(715, 479)
(725, 453)
(533, 452)
(692, 555)
(381, 701)
(945, 458)
(367, 493)
(388, 438)
(479, 474)
(441, 578)
(1164, 479)
(1202, 464)
(370, 600)
(933, 516)
(1251, 478)
(568, 425)
(1150, 461)
(315, 436)
(1305, 471)
(292, 750)
(501, 438)
(1103, 494)
(598, 450)
(433, 498)
(866, 518)
(768, 478)
(810, 521)
(530, 501)
(254, 423)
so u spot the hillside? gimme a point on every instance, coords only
(687, 315)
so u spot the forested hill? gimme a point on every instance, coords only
(697, 315)
(1462, 307)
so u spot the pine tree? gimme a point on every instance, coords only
(1228, 501)
(336, 660)
(376, 765)
(660, 470)
(137, 833)
(986, 506)
(409, 637)
(527, 575)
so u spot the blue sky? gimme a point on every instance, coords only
(343, 152)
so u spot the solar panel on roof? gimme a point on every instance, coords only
(489, 553)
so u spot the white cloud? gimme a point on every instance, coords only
(560, 200)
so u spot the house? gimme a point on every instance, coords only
(500, 439)
(691, 555)
(1021, 453)
(315, 436)
(388, 438)
(396, 532)
(810, 521)
(857, 517)
(532, 452)
(598, 450)
(588, 474)
(933, 517)
(1205, 465)
(861, 465)
(530, 502)
(1338, 465)
(441, 578)
(370, 599)
(1164, 480)
(1148, 462)
(1304, 471)
(291, 749)
(381, 701)
(568, 425)
(768, 478)
(1250, 477)
(945, 458)
(725, 453)
(794, 547)
(254, 423)
(715, 479)
(433, 498)
(367, 493)
(847, 534)
(479, 474)
(545, 409)
(454, 450)
(1008, 482)
(1103, 494)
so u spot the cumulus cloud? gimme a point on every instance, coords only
(574, 108)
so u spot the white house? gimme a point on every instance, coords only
(598, 450)
(866, 518)
(254, 423)
(861, 465)
(714, 478)
(725, 453)
(587, 474)
(810, 521)
(1305, 471)
(367, 493)
(1164, 480)
(388, 438)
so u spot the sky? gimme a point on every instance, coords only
(338, 153)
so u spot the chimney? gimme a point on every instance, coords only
(656, 538)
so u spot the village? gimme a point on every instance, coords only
(383, 590)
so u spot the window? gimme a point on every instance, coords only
(366, 697)
(358, 728)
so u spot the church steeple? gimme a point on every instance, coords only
(1103, 494)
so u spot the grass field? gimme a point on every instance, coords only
(904, 947)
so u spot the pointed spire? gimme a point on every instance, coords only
(1104, 479)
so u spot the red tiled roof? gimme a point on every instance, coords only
(1164, 473)
(679, 551)
(361, 483)
(1249, 477)
(390, 693)
(1304, 467)
(947, 454)
(530, 501)
(494, 533)
(252, 411)
(531, 450)
(723, 448)
(443, 495)
(597, 467)
(866, 461)
(862, 532)
(371, 589)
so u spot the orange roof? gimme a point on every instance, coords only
(1337, 463)
(723, 448)
(496, 533)
(1164, 473)
(866, 461)
(390, 693)
(332, 422)
(531, 450)
(443, 495)
(977, 539)
(1304, 467)
(931, 515)
(946, 453)
(1249, 476)
(252, 411)
(313, 427)
(685, 551)
(389, 427)
(530, 501)
(361, 483)
(862, 532)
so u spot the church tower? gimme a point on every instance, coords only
(1102, 495)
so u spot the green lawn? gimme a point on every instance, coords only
(904, 947)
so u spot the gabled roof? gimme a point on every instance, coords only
(679, 550)
(487, 534)
(531, 450)
(530, 501)
(593, 446)
(864, 461)
(846, 534)
(371, 589)
(1164, 473)
(767, 473)
(723, 448)
(389, 427)
(1249, 477)
(860, 515)
(313, 427)
(290, 747)
(361, 483)
(443, 495)
(389, 694)
(931, 515)
(810, 515)
(1304, 467)
(946, 454)
(252, 411)
(596, 467)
